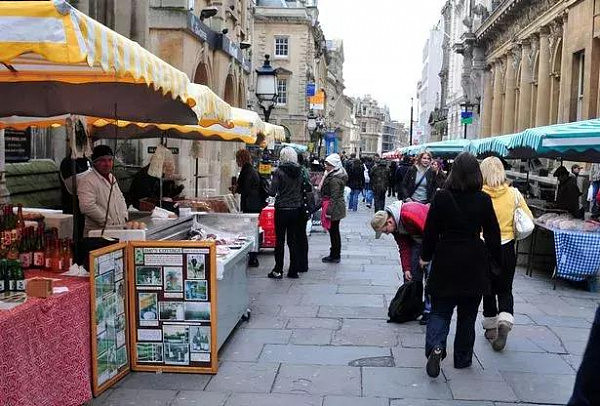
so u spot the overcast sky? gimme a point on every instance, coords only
(383, 44)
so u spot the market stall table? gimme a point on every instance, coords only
(45, 347)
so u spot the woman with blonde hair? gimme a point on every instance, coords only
(419, 183)
(498, 307)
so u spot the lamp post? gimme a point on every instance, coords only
(410, 131)
(266, 87)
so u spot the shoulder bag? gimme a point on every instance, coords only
(522, 224)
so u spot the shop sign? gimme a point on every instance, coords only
(17, 145)
(174, 150)
(310, 89)
(201, 30)
(317, 102)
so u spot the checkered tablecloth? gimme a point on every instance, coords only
(577, 254)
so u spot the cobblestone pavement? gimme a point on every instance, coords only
(323, 340)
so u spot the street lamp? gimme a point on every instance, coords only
(466, 116)
(266, 87)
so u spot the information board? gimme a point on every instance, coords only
(173, 306)
(110, 325)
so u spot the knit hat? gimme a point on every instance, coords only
(101, 151)
(378, 222)
(334, 160)
(288, 154)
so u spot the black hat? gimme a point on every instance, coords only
(560, 171)
(101, 151)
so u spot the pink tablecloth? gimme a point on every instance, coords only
(45, 348)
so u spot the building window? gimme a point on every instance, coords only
(282, 92)
(363, 127)
(281, 47)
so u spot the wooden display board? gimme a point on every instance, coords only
(173, 306)
(109, 321)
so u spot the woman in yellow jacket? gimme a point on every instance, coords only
(498, 308)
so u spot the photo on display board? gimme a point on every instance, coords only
(120, 289)
(199, 338)
(105, 284)
(148, 306)
(176, 344)
(197, 311)
(118, 269)
(148, 276)
(173, 279)
(121, 356)
(195, 266)
(139, 256)
(171, 311)
(150, 352)
(107, 366)
(120, 330)
(196, 290)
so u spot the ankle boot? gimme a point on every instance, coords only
(505, 323)
(490, 324)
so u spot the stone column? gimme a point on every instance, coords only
(497, 102)
(524, 87)
(508, 118)
(486, 126)
(542, 108)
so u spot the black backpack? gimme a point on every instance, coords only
(407, 305)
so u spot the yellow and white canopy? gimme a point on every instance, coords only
(56, 60)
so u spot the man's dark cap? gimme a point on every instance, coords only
(101, 151)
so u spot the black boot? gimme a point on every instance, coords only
(253, 260)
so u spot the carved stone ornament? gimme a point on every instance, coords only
(516, 54)
(533, 49)
(556, 33)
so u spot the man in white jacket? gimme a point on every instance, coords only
(100, 198)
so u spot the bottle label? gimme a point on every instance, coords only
(21, 285)
(1, 286)
(7, 238)
(38, 259)
(25, 259)
(48, 263)
(11, 285)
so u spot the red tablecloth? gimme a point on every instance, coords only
(45, 348)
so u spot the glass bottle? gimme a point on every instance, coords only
(12, 279)
(19, 277)
(38, 249)
(3, 282)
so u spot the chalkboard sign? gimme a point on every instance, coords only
(173, 306)
(17, 145)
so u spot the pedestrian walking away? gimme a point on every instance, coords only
(334, 208)
(586, 391)
(457, 216)
(379, 175)
(406, 223)
(367, 191)
(401, 171)
(498, 306)
(391, 192)
(286, 186)
(419, 182)
(356, 180)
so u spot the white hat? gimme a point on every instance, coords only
(334, 160)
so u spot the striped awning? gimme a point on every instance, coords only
(56, 60)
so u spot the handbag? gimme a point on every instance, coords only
(522, 224)
(311, 198)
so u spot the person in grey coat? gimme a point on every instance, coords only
(332, 193)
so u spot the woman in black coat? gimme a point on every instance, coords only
(460, 267)
(419, 183)
(248, 184)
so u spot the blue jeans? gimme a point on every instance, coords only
(438, 327)
(368, 194)
(353, 204)
(586, 391)
(418, 273)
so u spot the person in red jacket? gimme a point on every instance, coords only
(406, 222)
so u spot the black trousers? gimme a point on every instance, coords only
(302, 247)
(438, 327)
(288, 222)
(379, 200)
(501, 299)
(586, 390)
(336, 240)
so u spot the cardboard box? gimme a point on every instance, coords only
(39, 287)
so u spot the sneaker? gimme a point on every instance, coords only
(424, 319)
(500, 342)
(433, 362)
(275, 275)
(330, 259)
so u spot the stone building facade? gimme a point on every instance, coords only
(370, 118)
(540, 64)
(289, 32)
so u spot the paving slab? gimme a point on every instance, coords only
(319, 355)
(425, 402)
(272, 399)
(243, 377)
(164, 381)
(409, 357)
(365, 332)
(353, 312)
(354, 401)
(196, 398)
(318, 380)
(312, 336)
(146, 397)
(298, 311)
(403, 382)
(524, 362)
(561, 321)
(571, 333)
(541, 388)
(412, 340)
(311, 322)
(368, 290)
(265, 321)
(467, 388)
